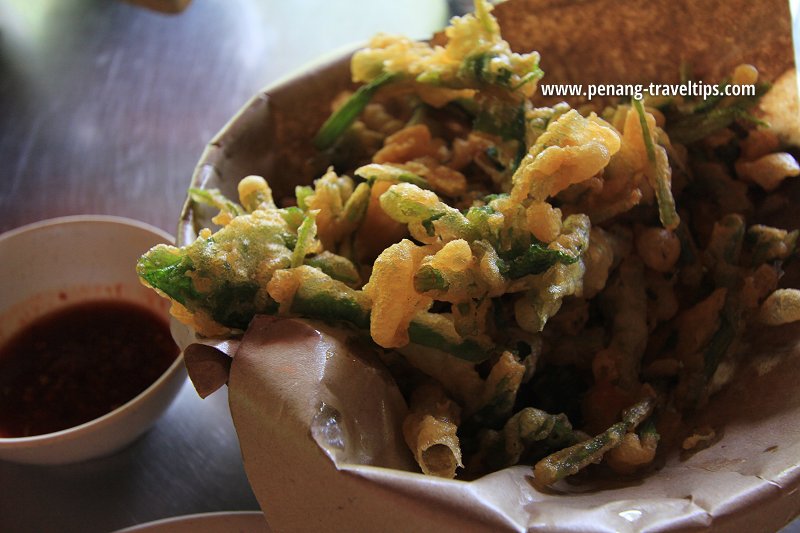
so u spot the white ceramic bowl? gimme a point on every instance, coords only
(83, 258)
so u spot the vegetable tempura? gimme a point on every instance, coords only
(557, 286)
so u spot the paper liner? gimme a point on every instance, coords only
(318, 418)
(317, 424)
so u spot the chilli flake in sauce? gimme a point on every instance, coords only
(79, 363)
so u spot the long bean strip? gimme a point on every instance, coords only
(571, 460)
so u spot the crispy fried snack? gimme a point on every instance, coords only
(558, 280)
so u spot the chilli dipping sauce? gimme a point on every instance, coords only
(79, 363)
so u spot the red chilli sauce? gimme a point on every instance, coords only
(79, 363)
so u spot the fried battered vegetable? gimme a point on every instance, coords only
(543, 300)
(530, 432)
(781, 307)
(571, 150)
(307, 291)
(254, 193)
(659, 173)
(344, 117)
(571, 460)
(227, 209)
(339, 204)
(769, 171)
(337, 267)
(770, 244)
(391, 289)
(541, 271)
(430, 431)
(708, 119)
(223, 277)
(626, 295)
(431, 220)
(636, 449)
(475, 59)
(500, 392)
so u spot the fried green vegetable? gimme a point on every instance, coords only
(344, 117)
(770, 244)
(223, 276)
(335, 266)
(429, 217)
(780, 307)
(377, 172)
(709, 120)
(571, 460)
(257, 264)
(530, 432)
(305, 240)
(510, 256)
(567, 249)
(475, 57)
(659, 173)
(214, 198)
(426, 333)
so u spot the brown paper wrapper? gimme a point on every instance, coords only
(319, 418)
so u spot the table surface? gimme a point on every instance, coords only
(105, 109)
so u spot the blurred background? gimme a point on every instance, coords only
(105, 107)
